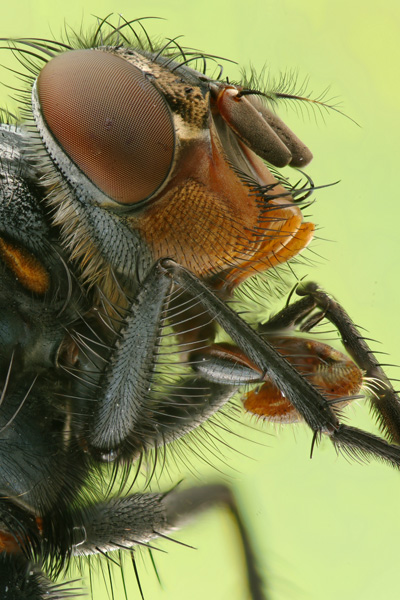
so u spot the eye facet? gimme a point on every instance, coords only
(110, 120)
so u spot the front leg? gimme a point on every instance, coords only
(128, 415)
(131, 414)
(314, 408)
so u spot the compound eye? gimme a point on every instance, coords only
(110, 120)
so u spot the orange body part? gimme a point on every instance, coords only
(333, 373)
(25, 266)
(212, 222)
(13, 545)
(8, 543)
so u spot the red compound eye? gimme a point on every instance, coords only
(110, 120)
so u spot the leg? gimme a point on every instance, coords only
(131, 416)
(124, 523)
(385, 402)
(128, 416)
(307, 400)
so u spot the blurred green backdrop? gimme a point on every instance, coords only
(325, 528)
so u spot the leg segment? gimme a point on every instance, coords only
(132, 416)
(129, 414)
(384, 400)
(308, 401)
(123, 523)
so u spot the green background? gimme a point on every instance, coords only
(325, 528)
